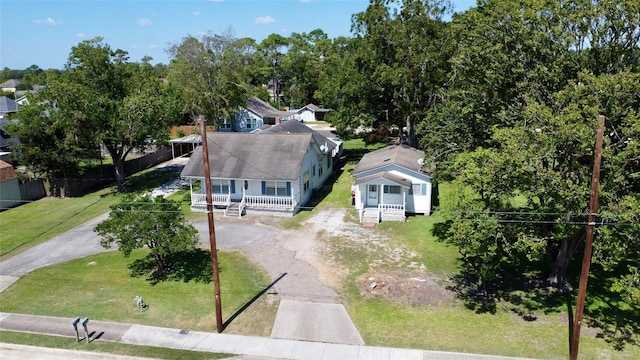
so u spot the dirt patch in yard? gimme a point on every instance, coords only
(400, 286)
(406, 282)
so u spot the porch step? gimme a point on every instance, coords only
(370, 216)
(233, 210)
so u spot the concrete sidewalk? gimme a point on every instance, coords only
(220, 343)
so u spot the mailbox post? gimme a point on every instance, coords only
(85, 321)
(74, 323)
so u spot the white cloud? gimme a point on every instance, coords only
(80, 35)
(216, 0)
(197, 13)
(144, 22)
(133, 46)
(153, 46)
(265, 20)
(49, 21)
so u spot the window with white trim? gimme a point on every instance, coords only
(276, 188)
(306, 179)
(219, 186)
(392, 189)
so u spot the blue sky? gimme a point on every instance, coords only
(43, 32)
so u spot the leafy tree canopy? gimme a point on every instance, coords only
(156, 223)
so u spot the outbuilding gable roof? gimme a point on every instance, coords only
(314, 108)
(254, 157)
(384, 175)
(400, 155)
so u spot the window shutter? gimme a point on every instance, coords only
(424, 189)
(288, 188)
(386, 189)
(233, 186)
(264, 188)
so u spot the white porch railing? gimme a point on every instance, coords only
(241, 207)
(393, 208)
(198, 199)
(280, 203)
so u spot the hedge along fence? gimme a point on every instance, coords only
(105, 175)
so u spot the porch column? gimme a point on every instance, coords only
(381, 191)
(404, 200)
(191, 190)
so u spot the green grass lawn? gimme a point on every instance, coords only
(38, 221)
(101, 287)
(31, 224)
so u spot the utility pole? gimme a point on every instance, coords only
(586, 260)
(212, 232)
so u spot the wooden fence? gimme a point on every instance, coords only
(95, 179)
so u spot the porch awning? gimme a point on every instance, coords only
(406, 183)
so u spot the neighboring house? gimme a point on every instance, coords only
(311, 113)
(9, 187)
(389, 183)
(7, 107)
(10, 85)
(21, 95)
(267, 172)
(254, 115)
(333, 146)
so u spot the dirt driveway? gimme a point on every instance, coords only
(308, 258)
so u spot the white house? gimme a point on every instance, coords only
(10, 85)
(255, 114)
(266, 172)
(389, 183)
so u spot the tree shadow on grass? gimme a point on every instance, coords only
(520, 287)
(617, 318)
(185, 266)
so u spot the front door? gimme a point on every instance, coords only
(372, 195)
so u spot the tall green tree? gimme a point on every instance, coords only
(52, 143)
(212, 73)
(508, 51)
(102, 99)
(155, 223)
(402, 55)
(304, 66)
(535, 185)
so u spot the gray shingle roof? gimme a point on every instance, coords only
(264, 109)
(11, 83)
(296, 127)
(252, 157)
(384, 175)
(401, 155)
(7, 105)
